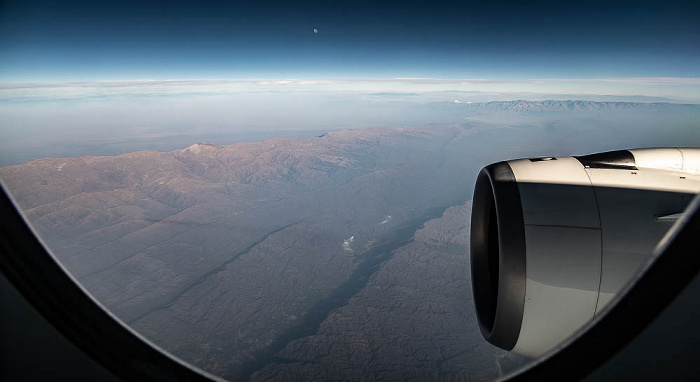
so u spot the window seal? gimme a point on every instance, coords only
(44, 283)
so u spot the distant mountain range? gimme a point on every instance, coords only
(548, 106)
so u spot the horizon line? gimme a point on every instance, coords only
(320, 81)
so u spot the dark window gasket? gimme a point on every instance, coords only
(43, 282)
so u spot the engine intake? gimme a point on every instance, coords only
(499, 281)
(554, 239)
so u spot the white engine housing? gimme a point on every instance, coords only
(554, 239)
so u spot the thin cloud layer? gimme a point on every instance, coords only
(682, 89)
(347, 243)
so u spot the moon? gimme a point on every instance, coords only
(315, 30)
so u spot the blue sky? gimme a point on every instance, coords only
(127, 40)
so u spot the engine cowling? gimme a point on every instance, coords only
(554, 239)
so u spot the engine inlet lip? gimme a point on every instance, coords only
(498, 257)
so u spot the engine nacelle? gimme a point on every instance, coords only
(554, 239)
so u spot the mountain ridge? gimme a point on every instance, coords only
(524, 106)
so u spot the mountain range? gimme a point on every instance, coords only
(573, 105)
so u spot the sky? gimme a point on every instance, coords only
(50, 41)
(73, 72)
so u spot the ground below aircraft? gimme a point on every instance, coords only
(645, 329)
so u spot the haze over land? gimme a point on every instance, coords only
(37, 127)
(342, 255)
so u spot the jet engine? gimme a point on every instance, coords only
(554, 239)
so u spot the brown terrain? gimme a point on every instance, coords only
(281, 259)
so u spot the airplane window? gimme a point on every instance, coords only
(292, 191)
